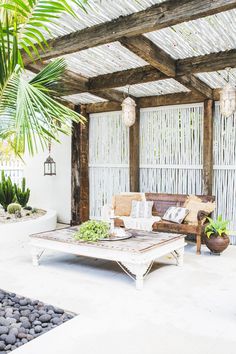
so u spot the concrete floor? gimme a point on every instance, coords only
(185, 310)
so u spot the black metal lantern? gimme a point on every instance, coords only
(49, 165)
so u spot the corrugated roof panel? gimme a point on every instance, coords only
(83, 98)
(103, 59)
(203, 36)
(154, 88)
(99, 11)
(218, 79)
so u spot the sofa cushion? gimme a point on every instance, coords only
(194, 204)
(122, 203)
(141, 209)
(175, 214)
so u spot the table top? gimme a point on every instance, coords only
(141, 241)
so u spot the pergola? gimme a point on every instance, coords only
(167, 52)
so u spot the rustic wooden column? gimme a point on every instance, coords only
(208, 147)
(134, 137)
(80, 170)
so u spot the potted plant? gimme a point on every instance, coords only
(217, 239)
(92, 231)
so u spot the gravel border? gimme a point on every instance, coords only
(23, 319)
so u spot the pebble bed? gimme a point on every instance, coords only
(23, 319)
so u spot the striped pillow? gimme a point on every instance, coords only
(141, 209)
(176, 214)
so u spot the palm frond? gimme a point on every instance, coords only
(29, 115)
(33, 17)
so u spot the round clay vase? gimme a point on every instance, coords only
(216, 243)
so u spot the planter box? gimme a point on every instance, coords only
(17, 234)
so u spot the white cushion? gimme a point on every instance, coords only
(141, 209)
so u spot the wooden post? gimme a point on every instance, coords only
(80, 171)
(134, 136)
(208, 147)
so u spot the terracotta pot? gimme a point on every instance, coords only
(216, 243)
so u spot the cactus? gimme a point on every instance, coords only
(7, 193)
(22, 194)
(13, 208)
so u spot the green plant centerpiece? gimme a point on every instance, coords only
(92, 231)
(217, 239)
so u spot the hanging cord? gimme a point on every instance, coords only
(228, 69)
(49, 147)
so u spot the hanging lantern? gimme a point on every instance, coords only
(128, 111)
(228, 99)
(49, 164)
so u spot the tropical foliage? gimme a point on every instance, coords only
(29, 114)
(216, 227)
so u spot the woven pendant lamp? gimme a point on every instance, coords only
(228, 98)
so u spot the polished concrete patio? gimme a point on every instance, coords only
(180, 310)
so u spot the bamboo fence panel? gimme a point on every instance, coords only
(108, 159)
(171, 149)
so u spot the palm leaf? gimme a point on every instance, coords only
(30, 115)
(35, 14)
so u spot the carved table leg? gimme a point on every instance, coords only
(180, 257)
(138, 270)
(36, 254)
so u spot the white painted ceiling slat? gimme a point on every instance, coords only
(98, 12)
(218, 79)
(154, 88)
(203, 36)
(83, 98)
(103, 59)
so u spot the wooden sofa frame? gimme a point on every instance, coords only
(162, 201)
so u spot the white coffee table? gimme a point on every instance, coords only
(135, 255)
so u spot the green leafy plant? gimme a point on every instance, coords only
(22, 194)
(92, 231)
(13, 208)
(30, 114)
(7, 192)
(217, 227)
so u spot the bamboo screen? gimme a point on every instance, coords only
(225, 167)
(108, 159)
(171, 149)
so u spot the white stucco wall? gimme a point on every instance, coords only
(51, 192)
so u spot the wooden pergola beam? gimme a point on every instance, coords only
(150, 101)
(80, 170)
(194, 84)
(184, 67)
(208, 147)
(134, 141)
(156, 17)
(162, 61)
(151, 53)
(206, 63)
(73, 83)
(142, 74)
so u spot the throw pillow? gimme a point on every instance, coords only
(176, 214)
(122, 204)
(141, 209)
(195, 204)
